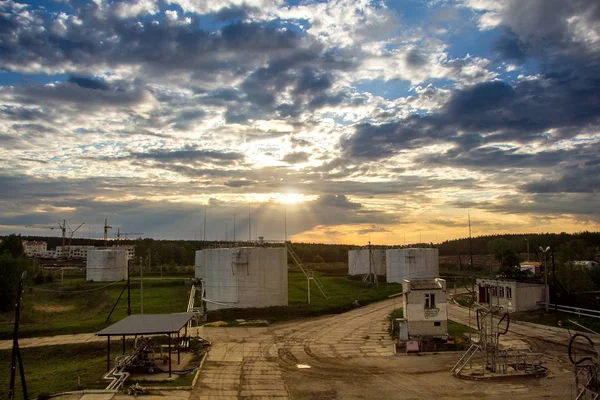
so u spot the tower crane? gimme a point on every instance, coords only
(59, 225)
(71, 236)
(119, 234)
(106, 228)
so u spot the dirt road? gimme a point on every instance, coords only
(347, 356)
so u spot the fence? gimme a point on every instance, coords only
(580, 312)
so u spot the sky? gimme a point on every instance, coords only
(331, 121)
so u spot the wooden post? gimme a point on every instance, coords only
(169, 355)
(108, 354)
(178, 348)
(123, 344)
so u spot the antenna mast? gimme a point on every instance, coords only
(470, 243)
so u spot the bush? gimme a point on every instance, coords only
(39, 278)
(319, 259)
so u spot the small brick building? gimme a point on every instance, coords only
(424, 303)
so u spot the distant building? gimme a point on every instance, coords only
(587, 264)
(34, 248)
(511, 295)
(533, 266)
(78, 252)
(424, 302)
(130, 248)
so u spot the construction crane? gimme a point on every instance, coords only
(106, 228)
(119, 234)
(62, 226)
(71, 237)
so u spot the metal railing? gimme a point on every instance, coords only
(580, 312)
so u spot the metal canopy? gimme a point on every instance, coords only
(147, 324)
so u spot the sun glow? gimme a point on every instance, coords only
(290, 198)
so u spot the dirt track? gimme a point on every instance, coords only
(351, 357)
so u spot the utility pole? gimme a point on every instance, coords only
(16, 351)
(527, 249)
(142, 283)
(470, 244)
(249, 225)
(285, 224)
(128, 291)
(234, 228)
(204, 240)
(547, 294)
(555, 287)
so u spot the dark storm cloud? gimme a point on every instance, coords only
(189, 155)
(509, 47)
(92, 38)
(574, 180)
(296, 157)
(75, 95)
(89, 83)
(414, 58)
(338, 201)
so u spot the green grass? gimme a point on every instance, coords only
(47, 313)
(457, 330)
(465, 299)
(393, 329)
(550, 319)
(342, 291)
(54, 369)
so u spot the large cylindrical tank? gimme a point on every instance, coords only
(358, 262)
(106, 265)
(412, 264)
(243, 277)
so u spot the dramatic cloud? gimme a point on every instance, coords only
(359, 120)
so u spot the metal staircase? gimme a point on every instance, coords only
(310, 274)
(466, 357)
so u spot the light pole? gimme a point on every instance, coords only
(545, 251)
(527, 249)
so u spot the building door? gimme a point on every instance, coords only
(484, 294)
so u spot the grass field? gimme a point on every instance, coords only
(55, 369)
(342, 292)
(77, 306)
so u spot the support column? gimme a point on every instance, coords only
(178, 348)
(169, 355)
(123, 344)
(108, 354)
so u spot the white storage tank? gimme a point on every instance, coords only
(412, 264)
(358, 261)
(243, 277)
(106, 265)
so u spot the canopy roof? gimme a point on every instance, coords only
(147, 324)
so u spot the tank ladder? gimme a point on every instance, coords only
(466, 357)
(310, 274)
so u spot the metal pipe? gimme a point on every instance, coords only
(169, 355)
(108, 354)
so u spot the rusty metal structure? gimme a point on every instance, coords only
(485, 359)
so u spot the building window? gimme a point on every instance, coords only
(430, 300)
(501, 291)
(437, 323)
(494, 291)
(508, 292)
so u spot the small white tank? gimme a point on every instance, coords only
(243, 277)
(411, 264)
(106, 265)
(358, 262)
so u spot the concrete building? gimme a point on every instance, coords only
(34, 248)
(129, 248)
(78, 252)
(243, 277)
(106, 265)
(364, 261)
(532, 266)
(511, 295)
(410, 264)
(424, 302)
